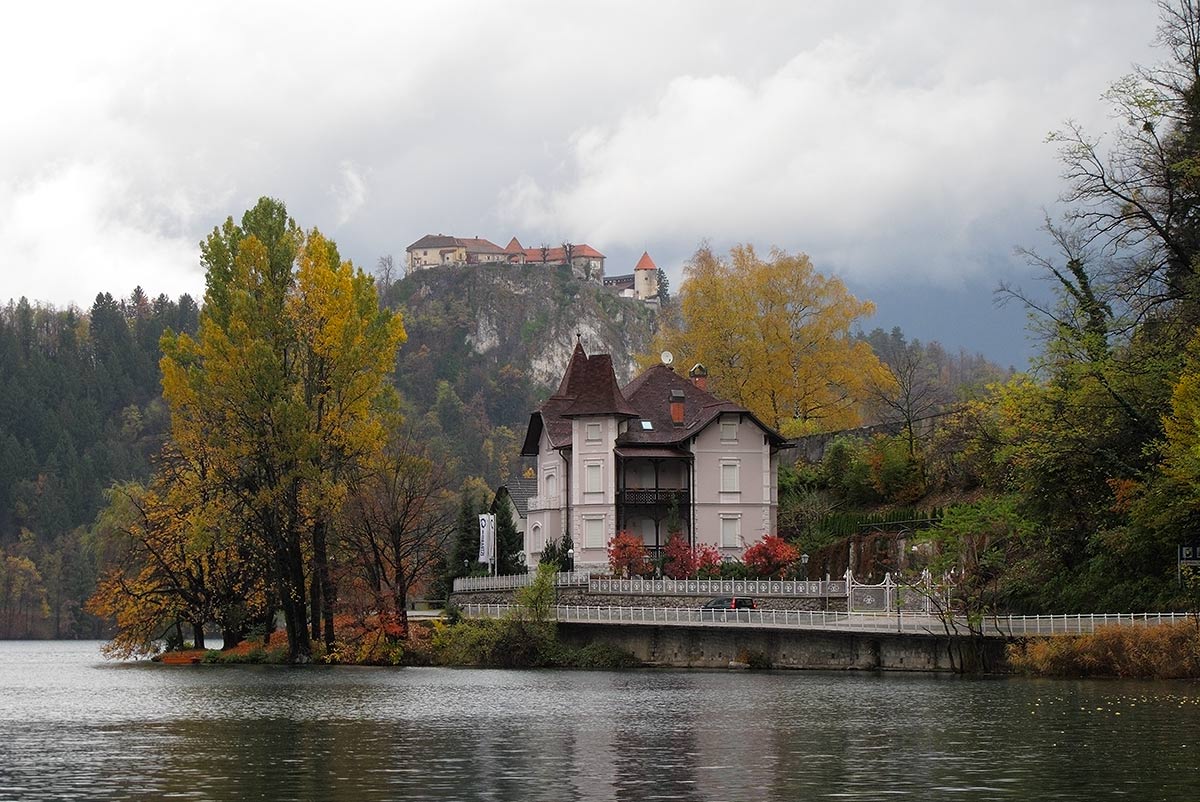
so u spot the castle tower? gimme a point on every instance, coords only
(645, 278)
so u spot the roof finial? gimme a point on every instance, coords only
(579, 337)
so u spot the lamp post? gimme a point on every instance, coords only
(804, 565)
(571, 559)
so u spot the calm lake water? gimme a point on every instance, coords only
(74, 726)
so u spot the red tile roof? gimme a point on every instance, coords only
(645, 263)
(514, 246)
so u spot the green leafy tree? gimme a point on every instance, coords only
(284, 388)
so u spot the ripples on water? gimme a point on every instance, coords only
(75, 727)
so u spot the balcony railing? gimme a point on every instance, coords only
(653, 496)
(543, 503)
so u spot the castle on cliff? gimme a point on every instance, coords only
(435, 250)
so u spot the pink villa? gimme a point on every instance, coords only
(612, 459)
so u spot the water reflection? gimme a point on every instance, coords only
(71, 727)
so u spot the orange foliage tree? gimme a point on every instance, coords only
(627, 556)
(770, 558)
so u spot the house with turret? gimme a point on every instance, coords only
(662, 448)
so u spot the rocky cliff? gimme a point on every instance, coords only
(502, 334)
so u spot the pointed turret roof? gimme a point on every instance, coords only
(588, 387)
(645, 263)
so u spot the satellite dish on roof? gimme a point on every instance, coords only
(667, 358)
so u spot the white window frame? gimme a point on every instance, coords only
(729, 431)
(593, 531)
(592, 432)
(731, 468)
(736, 539)
(593, 477)
(552, 486)
(536, 542)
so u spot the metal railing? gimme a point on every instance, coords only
(512, 581)
(902, 622)
(717, 587)
(653, 496)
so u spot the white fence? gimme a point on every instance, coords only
(511, 581)
(901, 622)
(716, 587)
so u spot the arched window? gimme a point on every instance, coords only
(536, 544)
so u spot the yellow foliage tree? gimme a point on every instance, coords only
(283, 390)
(775, 336)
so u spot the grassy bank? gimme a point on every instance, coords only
(526, 638)
(1165, 651)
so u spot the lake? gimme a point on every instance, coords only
(75, 726)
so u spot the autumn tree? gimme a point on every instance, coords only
(679, 557)
(775, 336)
(627, 556)
(398, 524)
(771, 558)
(909, 388)
(283, 388)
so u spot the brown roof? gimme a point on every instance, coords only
(650, 393)
(645, 263)
(514, 246)
(596, 392)
(479, 245)
(434, 241)
(589, 387)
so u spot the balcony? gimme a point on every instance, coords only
(537, 503)
(650, 497)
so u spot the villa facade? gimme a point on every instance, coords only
(615, 459)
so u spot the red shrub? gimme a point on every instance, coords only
(627, 556)
(708, 561)
(771, 557)
(680, 558)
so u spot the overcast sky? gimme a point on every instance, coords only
(901, 144)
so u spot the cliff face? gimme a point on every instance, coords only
(498, 330)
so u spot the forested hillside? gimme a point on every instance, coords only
(80, 409)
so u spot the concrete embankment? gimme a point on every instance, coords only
(717, 647)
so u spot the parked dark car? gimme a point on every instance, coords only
(731, 603)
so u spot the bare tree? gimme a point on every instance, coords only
(399, 521)
(911, 389)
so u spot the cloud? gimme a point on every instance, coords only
(350, 193)
(97, 231)
(828, 153)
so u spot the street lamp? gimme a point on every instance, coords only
(571, 559)
(804, 565)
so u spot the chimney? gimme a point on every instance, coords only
(699, 376)
(677, 407)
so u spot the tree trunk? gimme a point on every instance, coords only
(314, 601)
(323, 590)
(197, 636)
(231, 638)
(269, 623)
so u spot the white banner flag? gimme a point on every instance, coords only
(491, 538)
(484, 553)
